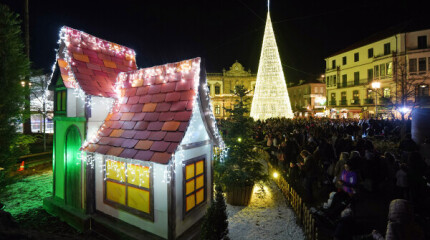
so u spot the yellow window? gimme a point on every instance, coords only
(200, 196)
(189, 187)
(199, 182)
(191, 202)
(138, 199)
(138, 175)
(199, 167)
(189, 171)
(115, 192)
(115, 170)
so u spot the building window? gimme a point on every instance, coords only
(370, 94)
(334, 79)
(344, 60)
(61, 102)
(344, 80)
(423, 90)
(382, 70)
(129, 187)
(355, 97)
(422, 64)
(369, 75)
(376, 71)
(387, 49)
(389, 68)
(422, 42)
(356, 78)
(386, 93)
(370, 53)
(194, 184)
(333, 97)
(356, 57)
(217, 109)
(217, 90)
(412, 65)
(333, 64)
(321, 89)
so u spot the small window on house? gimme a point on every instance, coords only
(412, 65)
(344, 60)
(389, 68)
(334, 79)
(333, 96)
(344, 80)
(61, 102)
(423, 90)
(370, 53)
(386, 93)
(355, 95)
(343, 96)
(370, 94)
(194, 184)
(369, 75)
(376, 71)
(333, 64)
(217, 90)
(422, 64)
(128, 187)
(217, 109)
(387, 48)
(422, 42)
(356, 78)
(356, 57)
(382, 70)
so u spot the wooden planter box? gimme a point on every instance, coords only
(239, 196)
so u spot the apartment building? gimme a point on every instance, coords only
(308, 98)
(372, 77)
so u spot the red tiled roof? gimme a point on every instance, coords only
(92, 63)
(151, 118)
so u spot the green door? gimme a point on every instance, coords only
(73, 168)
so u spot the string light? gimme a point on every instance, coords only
(271, 98)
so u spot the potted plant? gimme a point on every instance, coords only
(239, 170)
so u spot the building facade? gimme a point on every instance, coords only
(308, 99)
(222, 84)
(382, 75)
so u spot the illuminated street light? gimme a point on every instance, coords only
(275, 174)
(239, 139)
(23, 83)
(376, 86)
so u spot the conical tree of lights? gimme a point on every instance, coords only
(271, 98)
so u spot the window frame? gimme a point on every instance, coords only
(356, 57)
(201, 205)
(387, 48)
(344, 60)
(217, 109)
(148, 216)
(415, 65)
(63, 101)
(217, 87)
(423, 41)
(422, 63)
(370, 53)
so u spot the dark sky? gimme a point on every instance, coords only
(221, 31)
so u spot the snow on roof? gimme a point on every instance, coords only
(152, 114)
(91, 63)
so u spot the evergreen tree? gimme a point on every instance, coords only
(14, 68)
(215, 223)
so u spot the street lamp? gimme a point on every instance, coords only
(376, 86)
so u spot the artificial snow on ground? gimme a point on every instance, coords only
(266, 217)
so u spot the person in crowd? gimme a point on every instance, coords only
(348, 179)
(309, 170)
(340, 166)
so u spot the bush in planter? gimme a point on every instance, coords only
(240, 169)
(215, 223)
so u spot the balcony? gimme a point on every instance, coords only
(384, 101)
(343, 102)
(368, 101)
(332, 103)
(355, 102)
(353, 83)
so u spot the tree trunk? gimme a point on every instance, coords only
(27, 119)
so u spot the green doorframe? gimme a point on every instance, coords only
(73, 168)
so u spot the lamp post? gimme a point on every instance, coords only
(376, 85)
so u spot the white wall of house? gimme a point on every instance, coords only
(160, 225)
(75, 105)
(100, 108)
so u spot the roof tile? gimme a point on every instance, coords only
(151, 117)
(183, 116)
(173, 97)
(153, 89)
(172, 147)
(168, 87)
(144, 145)
(170, 126)
(156, 136)
(128, 153)
(155, 126)
(183, 126)
(136, 108)
(128, 134)
(141, 125)
(138, 117)
(91, 147)
(105, 141)
(85, 70)
(125, 108)
(166, 116)
(128, 125)
(127, 116)
(115, 151)
(178, 106)
(129, 143)
(145, 99)
(142, 90)
(116, 133)
(142, 135)
(174, 136)
(149, 107)
(160, 146)
(117, 142)
(114, 116)
(133, 100)
(163, 107)
(183, 86)
(162, 158)
(105, 132)
(190, 105)
(81, 57)
(130, 92)
(156, 98)
(104, 57)
(93, 66)
(117, 124)
(187, 95)
(148, 81)
(144, 155)
(102, 149)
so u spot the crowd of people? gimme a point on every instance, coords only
(336, 164)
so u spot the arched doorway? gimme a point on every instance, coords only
(73, 168)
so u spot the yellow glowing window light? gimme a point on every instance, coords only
(115, 170)
(138, 175)
(194, 184)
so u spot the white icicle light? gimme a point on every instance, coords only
(271, 98)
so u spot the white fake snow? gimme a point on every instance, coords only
(267, 217)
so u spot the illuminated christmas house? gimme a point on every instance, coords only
(132, 148)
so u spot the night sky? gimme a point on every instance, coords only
(221, 31)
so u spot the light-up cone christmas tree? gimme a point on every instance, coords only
(271, 98)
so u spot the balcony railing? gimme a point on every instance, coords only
(332, 103)
(355, 102)
(368, 101)
(352, 83)
(343, 102)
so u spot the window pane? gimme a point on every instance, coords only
(138, 175)
(115, 170)
(200, 196)
(200, 181)
(115, 192)
(58, 101)
(382, 68)
(199, 167)
(413, 65)
(63, 100)
(189, 187)
(190, 202)
(189, 171)
(422, 64)
(138, 199)
(389, 68)
(370, 53)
